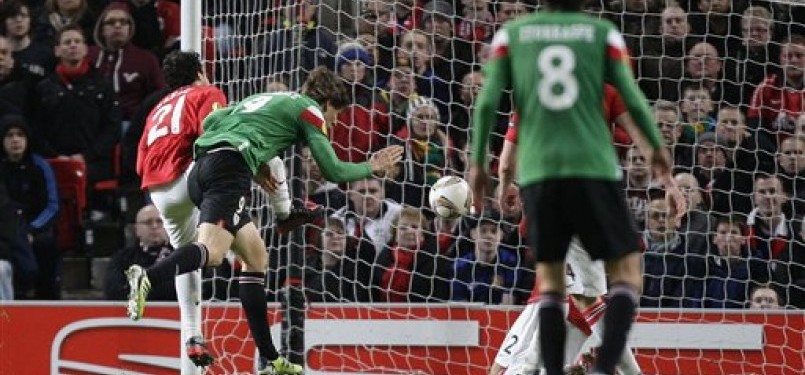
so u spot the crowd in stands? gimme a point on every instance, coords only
(726, 80)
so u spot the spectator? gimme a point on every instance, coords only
(745, 154)
(14, 93)
(368, 215)
(791, 164)
(35, 59)
(756, 58)
(377, 25)
(400, 88)
(152, 246)
(134, 72)
(667, 117)
(452, 57)
(768, 229)
(31, 186)
(77, 115)
(663, 259)
(410, 269)
(317, 189)
(790, 271)
(718, 21)
(476, 21)
(417, 50)
(710, 160)
(59, 13)
(461, 110)
(764, 297)
(637, 178)
(490, 273)
(697, 112)
(506, 10)
(427, 154)
(338, 272)
(146, 19)
(286, 54)
(361, 127)
(696, 223)
(727, 266)
(660, 67)
(778, 101)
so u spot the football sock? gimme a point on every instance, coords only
(552, 332)
(187, 258)
(253, 300)
(618, 318)
(280, 199)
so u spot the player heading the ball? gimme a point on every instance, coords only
(236, 144)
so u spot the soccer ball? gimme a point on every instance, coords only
(450, 197)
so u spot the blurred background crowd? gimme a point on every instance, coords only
(725, 79)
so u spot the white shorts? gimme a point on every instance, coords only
(588, 274)
(519, 352)
(178, 212)
(518, 339)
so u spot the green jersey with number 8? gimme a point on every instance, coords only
(557, 63)
(262, 126)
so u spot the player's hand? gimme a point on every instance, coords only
(478, 180)
(661, 163)
(266, 179)
(509, 199)
(383, 161)
(676, 201)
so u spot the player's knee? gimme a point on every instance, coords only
(215, 257)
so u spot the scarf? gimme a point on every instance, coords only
(69, 74)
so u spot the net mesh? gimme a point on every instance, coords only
(727, 93)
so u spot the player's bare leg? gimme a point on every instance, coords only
(250, 247)
(551, 316)
(627, 281)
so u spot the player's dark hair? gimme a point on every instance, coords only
(566, 5)
(323, 86)
(181, 68)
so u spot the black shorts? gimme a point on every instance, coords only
(219, 185)
(593, 210)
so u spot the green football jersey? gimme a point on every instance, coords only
(262, 126)
(557, 63)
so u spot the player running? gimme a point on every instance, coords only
(234, 148)
(556, 62)
(164, 156)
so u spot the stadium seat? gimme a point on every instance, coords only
(71, 178)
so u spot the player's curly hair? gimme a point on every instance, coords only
(323, 86)
(181, 68)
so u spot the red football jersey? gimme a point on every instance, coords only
(166, 147)
(613, 107)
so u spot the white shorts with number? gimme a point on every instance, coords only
(178, 212)
(517, 341)
(589, 274)
(519, 353)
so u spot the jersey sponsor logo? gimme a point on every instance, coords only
(313, 116)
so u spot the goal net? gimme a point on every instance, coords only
(390, 289)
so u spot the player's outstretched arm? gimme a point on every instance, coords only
(337, 171)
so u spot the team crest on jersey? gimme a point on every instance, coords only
(313, 116)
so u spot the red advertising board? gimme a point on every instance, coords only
(97, 338)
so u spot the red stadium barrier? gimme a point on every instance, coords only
(97, 338)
